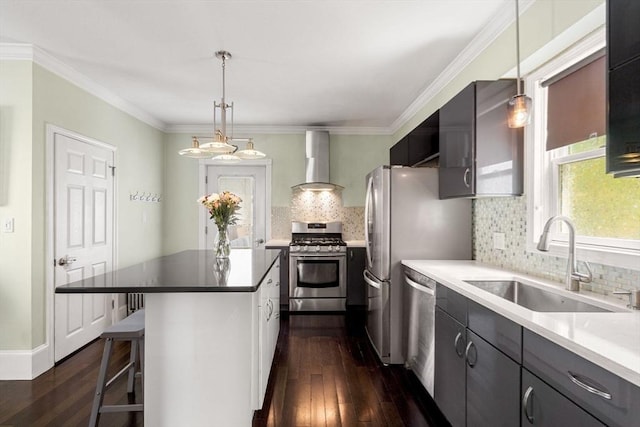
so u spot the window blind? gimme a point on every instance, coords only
(576, 104)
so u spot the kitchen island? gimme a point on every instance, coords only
(211, 328)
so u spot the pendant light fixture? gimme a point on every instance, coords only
(519, 106)
(219, 146)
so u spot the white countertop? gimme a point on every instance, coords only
(610, 340)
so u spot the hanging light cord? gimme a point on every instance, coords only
(518, 47)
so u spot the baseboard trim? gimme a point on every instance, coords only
(24, 364)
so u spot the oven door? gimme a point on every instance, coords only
(317, 276)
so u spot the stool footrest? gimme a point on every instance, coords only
(122, 372)
(122, 408)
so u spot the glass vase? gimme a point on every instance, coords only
(221, 244)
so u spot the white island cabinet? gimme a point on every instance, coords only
(210, 337)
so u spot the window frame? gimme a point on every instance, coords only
(541, 179)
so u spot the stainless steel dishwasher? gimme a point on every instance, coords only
(419, 325)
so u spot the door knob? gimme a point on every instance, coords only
(260, 241)
(66, 260)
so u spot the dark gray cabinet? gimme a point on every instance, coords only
(489, 371)
(356, 288)
(449, 378)
(419, 146)
(476, 384)
(479, 154)
(605, 396)
(399, 153)
(493, 385)
(623, 83)
(543, 406)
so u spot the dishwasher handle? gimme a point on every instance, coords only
(417, 286)
(371, 281)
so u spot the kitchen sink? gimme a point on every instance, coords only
(534, 298)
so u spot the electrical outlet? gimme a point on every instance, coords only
(7, 225)
(498, 241)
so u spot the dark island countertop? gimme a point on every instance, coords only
(187, 271)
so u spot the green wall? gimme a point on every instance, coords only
(15, 202)
(31, 98)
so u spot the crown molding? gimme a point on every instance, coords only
(478, 44)
(21, 51)
(205, 129)
(499, 23)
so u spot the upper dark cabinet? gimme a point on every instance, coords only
(399, 153)
(623, 124)
(419, 146)
(423, 140)
(479, 154)
(624, 35)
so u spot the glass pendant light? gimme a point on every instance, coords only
(195, 151)
(250, 153)
(220, 144)
(519, 106)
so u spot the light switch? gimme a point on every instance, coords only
(7, 225)
(498, 241)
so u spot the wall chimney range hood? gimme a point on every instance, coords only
(317, 163)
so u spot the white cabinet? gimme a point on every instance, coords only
(208, 354)
(268, 327)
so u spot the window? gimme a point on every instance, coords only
(567, 176)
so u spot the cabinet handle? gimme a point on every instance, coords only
(455, 344)
(465, 177)
(525, 404)
(466, 354)
(269, 281)
(583, 383)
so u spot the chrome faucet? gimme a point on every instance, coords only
(574, 277)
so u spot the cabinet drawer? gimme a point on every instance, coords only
(543, 406)
(452, 303)
(571, 375)
(499, 331)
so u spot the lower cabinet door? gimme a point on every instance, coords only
(449, 383)
(493, 385)
(544, 406)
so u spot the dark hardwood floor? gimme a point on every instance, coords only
(63, 395)
(325, 373)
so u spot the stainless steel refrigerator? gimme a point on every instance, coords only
(405, 219)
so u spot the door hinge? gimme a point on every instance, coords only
(206, 179)
(113, 304)
(113, 170)
(206, 229)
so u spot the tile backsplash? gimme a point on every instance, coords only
(317, 206)
(508, 215)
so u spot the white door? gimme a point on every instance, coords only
(249, 183)
(83, 212)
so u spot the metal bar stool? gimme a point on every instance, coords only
(131, 329)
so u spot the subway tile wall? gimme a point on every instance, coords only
(508, 215)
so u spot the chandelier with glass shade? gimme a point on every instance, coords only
(221, 145)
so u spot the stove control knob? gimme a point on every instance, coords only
(318, 248)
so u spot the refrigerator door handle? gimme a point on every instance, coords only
(371, 281)
(367, 236)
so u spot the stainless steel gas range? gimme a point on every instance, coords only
(317, 267)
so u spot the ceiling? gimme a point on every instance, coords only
(351, 64)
